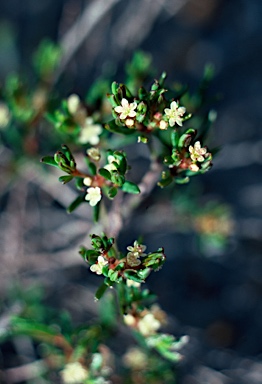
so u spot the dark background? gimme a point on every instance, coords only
(216, 299)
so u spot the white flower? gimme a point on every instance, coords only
(175, 114)
(110, 166)
(148, 325)
(193, 167)
(90, 132)
(126, 110)
(87, 181)
(97, 268)
(132, 283)
(94, 153)
(132, 259)
(4, 115)
(129, 320)
(73, 103)
(134, 253)
(137, 249)
(163, 124)
(135, 358)
(129, 122)
(93, 195)
(196, 152)
(74, 373)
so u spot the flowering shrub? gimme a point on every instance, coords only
(94, 157)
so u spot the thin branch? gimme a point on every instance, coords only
(83, 26)
(121, 209)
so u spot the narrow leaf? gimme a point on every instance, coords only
(105, 173)
(130, 187)
(80, 199)
(50, 161)
(65, 179)
(101, 290)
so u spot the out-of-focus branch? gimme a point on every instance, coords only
(136, 26)
(122, 208)
(80, 30)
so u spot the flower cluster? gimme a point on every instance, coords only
(148, 321)
(116, 267)
(74, 373)
(90, 130)
(197, 155)
(135, 253)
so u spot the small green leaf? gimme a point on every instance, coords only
(50, 161)
(112, 192)
(113, 127)
(101, 290)
(65, 179)
(174, 138)
(96, 212)
(105, 173)
(130, 187)
(79, 183)
(117, 179)
(186, 138)
(91, 166)
(132, 275)
(76, 203)
(182, 180)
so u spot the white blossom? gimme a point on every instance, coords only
(193, 167)
(134, 253)
(87, 181)
(74, 373)
(148, 325)
(94, 153)
(129, 320)
(175, 114)
(125, 109)
(137, 249)
(90, 132)
(110, 166)
(132, 283)
(135, 358)
(132, 259)
(97, 268)
(93, 195)
(73, 103)
(163, 124)
(197, 153)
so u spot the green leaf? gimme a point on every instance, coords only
(118, 179)
(65, 179)
(132, 275)
(130, 187)
(114, 87)
(105, 173)
(91, 166)
(113, 127)
(50, 161)
(79, 183)
(186, 138)
(174, 138)
(101, 290)
(75, 203)
(182, 180)
(165, 182)
(96, 212)
(112, 192)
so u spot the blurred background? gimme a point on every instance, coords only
(211, 289)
